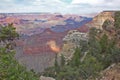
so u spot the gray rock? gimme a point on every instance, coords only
(71, 41)
(46, 78)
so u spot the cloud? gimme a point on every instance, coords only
(98, 3)
(59, 6)
(90, 6)
(91, 2)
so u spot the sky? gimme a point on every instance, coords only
(58, 6)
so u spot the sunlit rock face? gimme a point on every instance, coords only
(98, 20)
(38, 51)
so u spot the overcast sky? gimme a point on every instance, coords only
(59, 6)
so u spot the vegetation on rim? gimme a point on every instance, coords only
(10, 69)
(102, 51)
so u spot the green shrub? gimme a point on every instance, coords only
(10, 69)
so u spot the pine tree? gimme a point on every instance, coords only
(104, 43)
(57, 68)
(10, 69)
(94, 45)
(76, 58)
(117, 20)
(62, 60)
(8, 33)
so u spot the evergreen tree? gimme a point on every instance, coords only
(62, 60)
(10, 69)
(93, 43)
(56, 64)
(104, 43)
(76, 58)
(8, 33)
(115, 55)
(117, 20)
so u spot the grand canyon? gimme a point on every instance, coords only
(59, 40)
(41, 35)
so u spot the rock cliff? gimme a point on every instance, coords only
(98, 20)
(71, 41)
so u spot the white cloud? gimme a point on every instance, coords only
(75, 7)
(91, 2)
(98, 3)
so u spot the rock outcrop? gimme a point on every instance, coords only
(98, 20)
(46, 78)
(71, 41)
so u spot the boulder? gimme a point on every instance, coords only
(46, 78)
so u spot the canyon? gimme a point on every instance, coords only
(42, 34)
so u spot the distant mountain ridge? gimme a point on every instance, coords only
(30, 23)
(50, 25)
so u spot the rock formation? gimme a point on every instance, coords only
(98, 20)
(46, 78)
(71, 41)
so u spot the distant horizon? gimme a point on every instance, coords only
(84, 15)
(82, 7)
